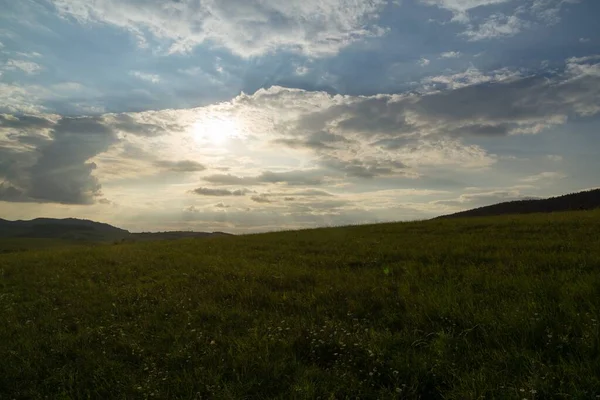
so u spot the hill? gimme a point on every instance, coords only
(69, 228)
(498, 307)
(72, 229)
(587, 200)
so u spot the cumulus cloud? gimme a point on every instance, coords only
(247, 28)
(56, 170)
(291, 139)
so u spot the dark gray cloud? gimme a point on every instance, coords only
(262, 198)
(24, 122)
(316, 141)
(57, 170)
(128, 124)
(358, 168)
(291, 178)
(180, 166)
(220, 192)
(488, 107)
(62, 172)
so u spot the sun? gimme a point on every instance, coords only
(216, 131)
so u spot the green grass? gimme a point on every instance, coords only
(496, 308)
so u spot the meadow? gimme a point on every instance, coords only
(495, 308)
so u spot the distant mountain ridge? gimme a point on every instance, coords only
(586, 200)
(83, 229)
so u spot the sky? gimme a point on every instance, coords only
(259, 115)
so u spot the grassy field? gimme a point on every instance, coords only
(495, 308)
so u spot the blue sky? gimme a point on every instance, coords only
(259, 115)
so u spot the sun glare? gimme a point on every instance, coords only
(215, 131)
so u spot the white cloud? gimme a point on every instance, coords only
(472, 76)
(450, 54)
(462, 5)
(543, 176)
(497, 25)
(302, 70)
(516, 16)
(484, 198)
(246, 27)
(584, 40)
(28, 67)
(21, 98)
(153, 78)
(423, 62)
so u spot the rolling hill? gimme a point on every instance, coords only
(497, 308)
(83, 230)
(588, 200)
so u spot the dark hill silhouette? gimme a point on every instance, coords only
(587, 200)
(82, 229)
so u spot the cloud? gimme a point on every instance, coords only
(483, 20)
(180, 166)
(228, 179)
(369, 168)
(497, 25)
(191, 209)
(29, 67)
(262, 198)
(152, 78)
(140, 124)
(480, 199)
(292, 139)
(450, 54)
(220, 192)
(22, 98)
(462, 5)
(246, 28)
(472, 76)
(293, 178)
(423, 62)
(544, 176)
(56, 170)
